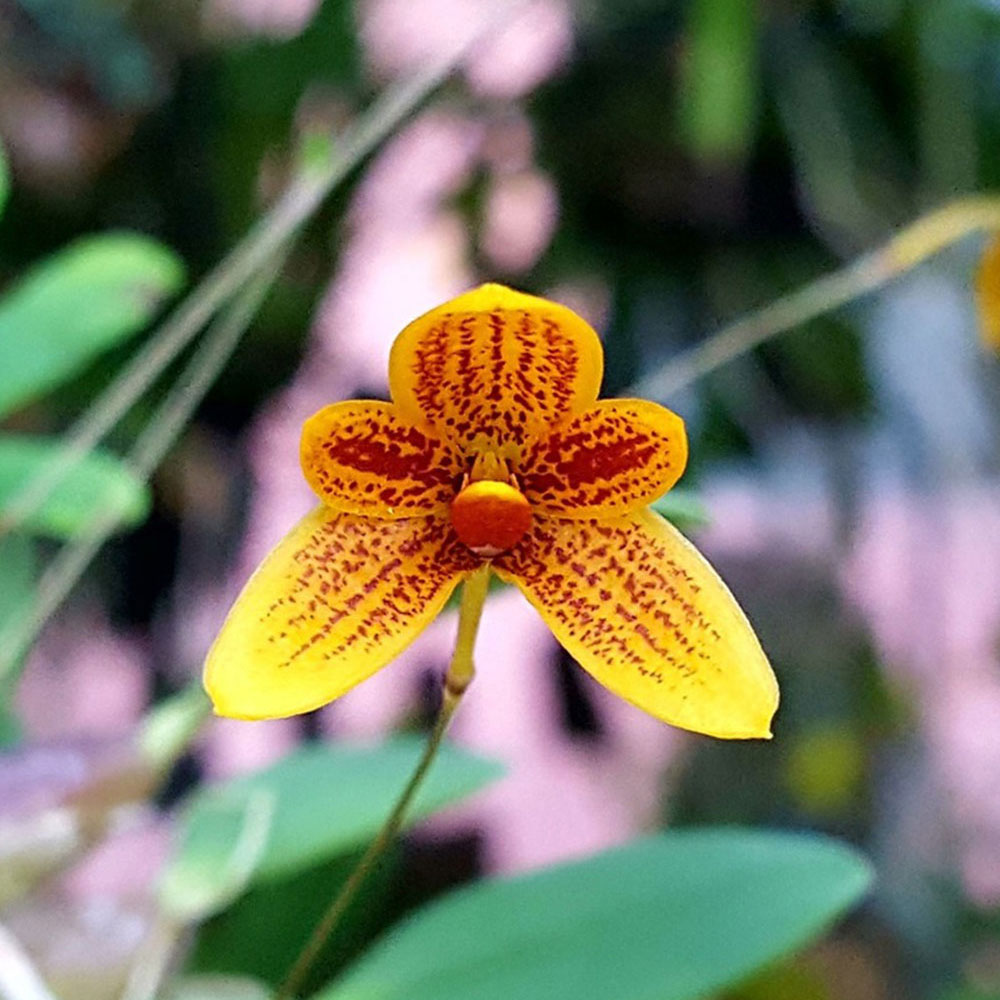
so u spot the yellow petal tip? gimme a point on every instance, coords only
(988, 295)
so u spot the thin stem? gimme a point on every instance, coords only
(912, 245)
(462, 669)
(457, 679)
(783, 314)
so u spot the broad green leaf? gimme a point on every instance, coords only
(675, 917)
(4, 180)
(329, 799)
(76, 304)
(98, 483)
(221, 846)
(262, 932)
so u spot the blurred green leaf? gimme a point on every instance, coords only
(4, 180)
(719, 90)
(76, 304)
(330, 799)
(97, 483)
(221, 845)
(262, 932)
(673, 917)
(17, 582)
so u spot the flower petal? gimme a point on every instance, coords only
(494, 368)
(611, 459)
(642, 611)
(988, 294)
(336, 600)
(360, 457)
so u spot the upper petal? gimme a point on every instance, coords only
(613, 458)
(643, 612)
(336, 600)
(494, 368)
(358, 456)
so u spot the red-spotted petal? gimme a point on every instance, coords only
(336, 600)
(359, 456)
(613, 458)
(643, 612)
(494, 368)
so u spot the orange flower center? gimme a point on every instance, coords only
(490, 517)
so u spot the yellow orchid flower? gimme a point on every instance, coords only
(494, 451)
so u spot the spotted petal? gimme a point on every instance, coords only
(615, 457)
(358, 456)
(642, 611)
(494, 368)
(335, 601)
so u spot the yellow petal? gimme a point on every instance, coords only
(643, 612)
(494, 368)
(336, 600)
(360, 457)
(988, 294)
(613, 458)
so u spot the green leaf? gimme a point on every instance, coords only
(222, 844)
(99, 482)
(17, 582)
(263, 931)
(330, 799)
(4, 180)
(674, 917)
(76, 304)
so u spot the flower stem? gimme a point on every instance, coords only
(913, 244)
(461, 670)
(457, 679)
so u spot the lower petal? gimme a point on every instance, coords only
(643, 612)
(338, 598)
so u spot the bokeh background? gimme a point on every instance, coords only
(662, 168)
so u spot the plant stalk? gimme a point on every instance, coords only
(912, 245)
(459, 675)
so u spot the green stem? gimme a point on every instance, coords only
(461, 670)
(460, 673)
(918, 241)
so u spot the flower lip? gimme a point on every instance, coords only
(490, 517)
